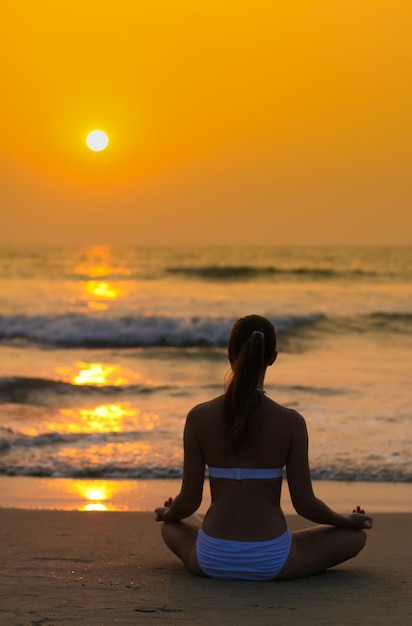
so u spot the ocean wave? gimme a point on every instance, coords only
(394, 322)
(13, 440)
(245, 272)
(80, 330)
(375, 322)
(94, 331)
(67, 455)
(373, 474)
(20, 389)
(62, 468)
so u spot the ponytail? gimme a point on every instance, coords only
(251, 344)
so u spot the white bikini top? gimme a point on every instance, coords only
(241, 473)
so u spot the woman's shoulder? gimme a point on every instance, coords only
(290, 416)
(207, 407)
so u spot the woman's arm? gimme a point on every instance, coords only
(300, 485)
(190, 496)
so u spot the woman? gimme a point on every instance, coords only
(246, 439)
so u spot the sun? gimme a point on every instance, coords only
(97, 140)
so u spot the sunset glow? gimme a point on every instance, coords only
(295, 114)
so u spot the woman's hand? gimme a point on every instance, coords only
(359, 519)
(161, 510)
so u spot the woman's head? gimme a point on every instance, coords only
(252, 347)
(245, 331)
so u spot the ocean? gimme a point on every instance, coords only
(104, 350)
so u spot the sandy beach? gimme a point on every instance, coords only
(61, 567)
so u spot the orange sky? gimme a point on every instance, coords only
(273, 122)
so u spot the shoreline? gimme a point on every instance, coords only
(67, 494)
(65, 567)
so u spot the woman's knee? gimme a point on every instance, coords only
(362, 539)
(358, 541)
(163, 531)
(169, 535)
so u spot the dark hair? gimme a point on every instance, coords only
(252, 344)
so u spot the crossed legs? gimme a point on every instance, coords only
(313, 550)
(181, 538)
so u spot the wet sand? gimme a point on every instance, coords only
(95, 568)
(69, 494)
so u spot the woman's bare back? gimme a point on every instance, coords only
(245, 510)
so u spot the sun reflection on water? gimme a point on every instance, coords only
(103, 289)
(100, 374)
(105, 418)
(98, 495)
(95, 506)
(99, 278)
(100, 263)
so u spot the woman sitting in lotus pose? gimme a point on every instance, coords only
(246, 439)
